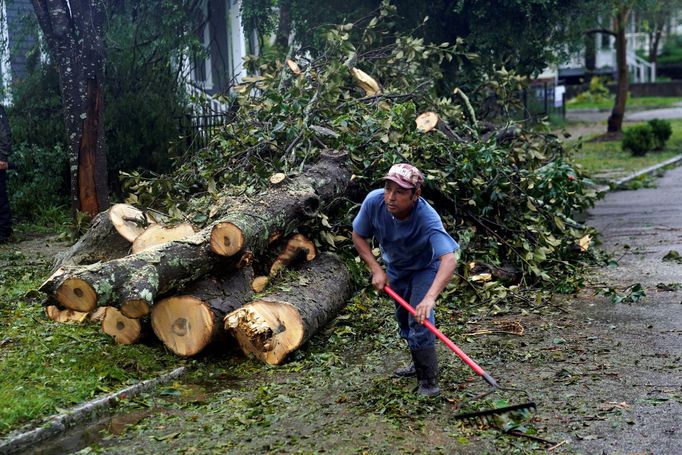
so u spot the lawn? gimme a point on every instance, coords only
(46, 366)
(605, 161)
(646, 102)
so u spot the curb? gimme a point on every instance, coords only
(89, 410)
(615, 185)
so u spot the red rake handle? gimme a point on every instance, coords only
(453, 347)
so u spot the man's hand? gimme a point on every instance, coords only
(424, 308)
(379, 279)
(4, 165)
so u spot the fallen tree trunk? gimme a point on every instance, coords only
(272, 327)
(109, 237)
(250, 226)
(189, 322)
(132, 283)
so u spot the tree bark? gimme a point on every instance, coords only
(615, 121)
(74, 31)
(109, 237)
(132, 283)
(284, 24)
(274, 326)
(188, 322)
(250, 226)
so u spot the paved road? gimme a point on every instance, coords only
(589, 116)
(643, 340)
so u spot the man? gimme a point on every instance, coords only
(419, 260)
(5, 150)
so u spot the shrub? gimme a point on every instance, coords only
(639, 139)
(596, 93)
(41, 180)
(662, 130)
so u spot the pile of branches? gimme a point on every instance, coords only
(507, 193)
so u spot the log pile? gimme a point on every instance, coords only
(183, 284)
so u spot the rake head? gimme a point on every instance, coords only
(486, 416)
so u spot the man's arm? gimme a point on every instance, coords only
(379, 278)
(448, 263)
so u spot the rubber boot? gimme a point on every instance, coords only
(426, 364)
(405, 372)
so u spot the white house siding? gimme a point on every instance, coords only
(16, 40)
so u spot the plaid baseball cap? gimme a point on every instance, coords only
(405, 175)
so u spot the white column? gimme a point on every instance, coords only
(5, 63)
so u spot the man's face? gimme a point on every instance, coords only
(399, 201)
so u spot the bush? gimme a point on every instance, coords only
(596, 93)
(639, 139)
(662, 130)
(41, 180)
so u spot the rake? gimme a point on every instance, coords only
(477, 415)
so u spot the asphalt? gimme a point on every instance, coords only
(595, 115)
(643, 339)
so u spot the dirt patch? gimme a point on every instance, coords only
(32, 250)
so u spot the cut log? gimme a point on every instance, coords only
(189, 322)
(298, 247)
(109, 237)
(122, 329)
(293, 66)
(272, 327)
(157, 235)
(260, 283)
(250, 226)
(429, 121)
(135, 281)
(57, 314)
(366, 82)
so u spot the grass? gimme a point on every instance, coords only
(45, 366)
(606, 160)
(636, 103)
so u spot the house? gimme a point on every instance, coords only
(598, 56)
(16, 40)
(226, 42)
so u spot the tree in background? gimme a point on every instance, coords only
(524, 35)
(146, 40)
(74, 30)
(656, 16)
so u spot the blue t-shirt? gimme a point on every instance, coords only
(406, 245)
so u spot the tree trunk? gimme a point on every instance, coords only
(615, 121)
(133, 282)
(655, 41)
(274, 326)
(284, 25)
(250, 226)
(109, 237)
(189, 322)
(74, 32)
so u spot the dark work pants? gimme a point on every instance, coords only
(5, 221)
(413, 286)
